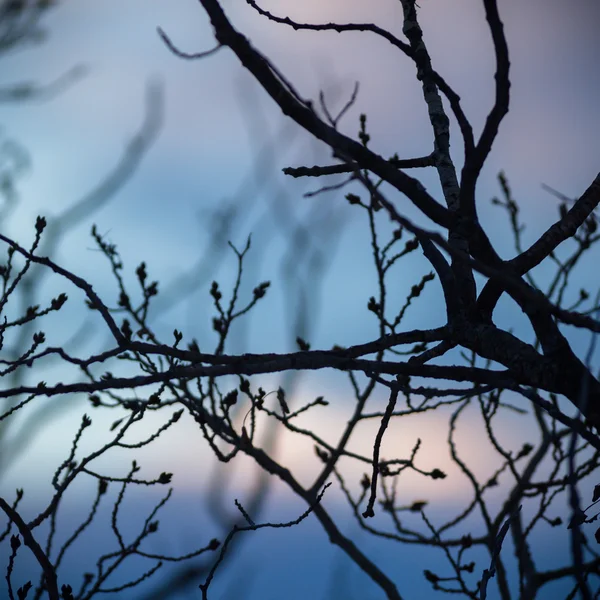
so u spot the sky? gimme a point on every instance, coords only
(221, 141)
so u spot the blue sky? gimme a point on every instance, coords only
(206, 156)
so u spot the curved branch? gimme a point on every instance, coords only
(474, 160)
(303, 114)
(545, 245)
(453, 97)
(43, 561)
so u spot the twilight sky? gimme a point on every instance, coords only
(222, 140)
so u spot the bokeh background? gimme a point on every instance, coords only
(212, 174)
